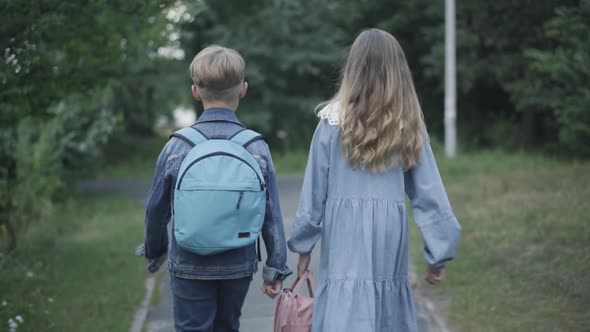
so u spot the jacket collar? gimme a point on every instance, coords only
(219, 114)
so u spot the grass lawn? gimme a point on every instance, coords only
(292, 163)
(523, 262)
(76, 271)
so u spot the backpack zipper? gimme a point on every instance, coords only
(240, 200)
(219, 154)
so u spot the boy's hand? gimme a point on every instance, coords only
(154, 264)
(434, 276)
(272, 290)
(303, 264)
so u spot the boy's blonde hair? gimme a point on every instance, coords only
(218, 73)
(381, 122)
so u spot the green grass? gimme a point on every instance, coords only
(290, 163)
(523, 262)
(76, 271)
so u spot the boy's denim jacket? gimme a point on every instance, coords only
(231, 264)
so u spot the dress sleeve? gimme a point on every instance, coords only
(306, 228)
(431, 210)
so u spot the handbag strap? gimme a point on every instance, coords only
(308, 277)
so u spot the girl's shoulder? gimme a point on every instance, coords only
(330, 113)
(329, 124)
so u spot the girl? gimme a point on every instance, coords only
(369, 150)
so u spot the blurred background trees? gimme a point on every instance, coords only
(521, 64)
(75, 74)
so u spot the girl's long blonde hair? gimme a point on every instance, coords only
(380, 118)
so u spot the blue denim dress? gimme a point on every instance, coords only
(362, 221)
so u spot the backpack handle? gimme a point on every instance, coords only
(308, 277)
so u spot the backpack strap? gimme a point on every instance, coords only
(191, 135)
(245, 137)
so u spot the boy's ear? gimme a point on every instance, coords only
(195, 91)
(243, 89)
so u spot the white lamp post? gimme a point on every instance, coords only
(450, 81)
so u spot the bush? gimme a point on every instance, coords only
(40, 157)
(62, 62)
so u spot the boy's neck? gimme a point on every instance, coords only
(215, 104)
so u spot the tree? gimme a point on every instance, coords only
(295, 48)
(558, 78)
(292, 50)
(61, 60)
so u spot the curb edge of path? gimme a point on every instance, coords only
(140, 316)
(436, 322)
(439, 322)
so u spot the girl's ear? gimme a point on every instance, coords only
(195, 91)
(243, 89)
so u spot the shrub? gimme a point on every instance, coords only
(40, 157)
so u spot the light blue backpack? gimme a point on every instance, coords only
(220, 194)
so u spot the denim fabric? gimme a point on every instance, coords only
(230, 264)
(208, 305)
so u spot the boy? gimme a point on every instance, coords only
(209, 291)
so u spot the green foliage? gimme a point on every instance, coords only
(507, 61)
(55, 48)
(67, 70)
(76, 73)
(131, 157)
(47, 154)
(292, 51)
(135, 100)
(559, 77)
(492, 38)
(37, 157)
(509, 73)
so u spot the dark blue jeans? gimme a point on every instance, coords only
(208, 305)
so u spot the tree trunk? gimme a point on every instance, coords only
(11, 235)
(529, 131)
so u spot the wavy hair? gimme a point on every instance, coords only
(380, 118)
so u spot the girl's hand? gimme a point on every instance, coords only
(303, 264)
(272, 290)
(434, 276)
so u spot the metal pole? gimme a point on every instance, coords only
(450, 81)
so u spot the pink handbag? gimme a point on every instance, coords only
(294, 310)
